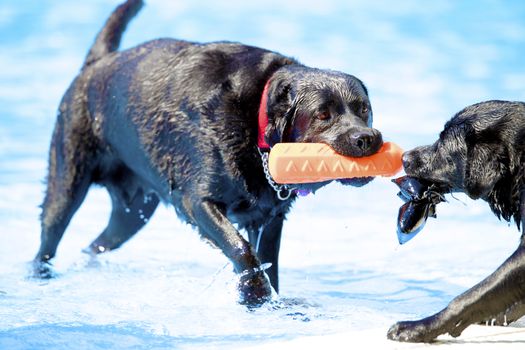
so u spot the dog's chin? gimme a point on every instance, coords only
(310, 187)
(356, 181)
(438, 184)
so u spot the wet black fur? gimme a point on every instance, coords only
(176, 121)
(481, 153)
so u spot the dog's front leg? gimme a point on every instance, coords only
(498, 292)
(253, 285)
(267, 241)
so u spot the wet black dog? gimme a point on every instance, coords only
(481, 153)
(177, 122)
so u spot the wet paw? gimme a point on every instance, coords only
(42, 270)
(411, 331)
(254, 289)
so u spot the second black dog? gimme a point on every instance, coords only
(177, 122)
(481, 153)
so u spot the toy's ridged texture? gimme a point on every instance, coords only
(292, 163)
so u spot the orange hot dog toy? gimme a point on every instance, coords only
(293, 163)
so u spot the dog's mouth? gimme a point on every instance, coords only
(356, 181)
(438, 184)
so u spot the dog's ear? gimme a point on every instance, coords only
(485, 167)
(281, 110)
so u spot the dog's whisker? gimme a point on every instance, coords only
(214, 278)
(259, 237)
(457, 199)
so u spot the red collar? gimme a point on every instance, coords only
(264, 146)
(263, 118)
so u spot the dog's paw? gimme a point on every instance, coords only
(42, 270)
(254, 289)
(411, 331)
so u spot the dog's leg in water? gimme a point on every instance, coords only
(213, 223)
(503, 290)
(498, 292)
(267, 242)
(68, 181)
(126, 219)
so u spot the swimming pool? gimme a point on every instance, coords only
(341, 266)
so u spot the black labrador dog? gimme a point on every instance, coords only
(179, 122)
(480, 152)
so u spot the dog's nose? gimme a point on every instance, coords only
(367, 141)
(406, 159)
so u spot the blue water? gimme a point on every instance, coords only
(341, 266)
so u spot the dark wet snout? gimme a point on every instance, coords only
(367, 142)
(359, 143)
(415, 161)
(407, 160)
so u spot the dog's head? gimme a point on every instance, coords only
(312, 105)
(480, 153)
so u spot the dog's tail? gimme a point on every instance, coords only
(108, 39)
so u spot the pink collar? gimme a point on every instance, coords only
(263, 118)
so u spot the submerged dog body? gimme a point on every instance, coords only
(175, 121)
(481, 153)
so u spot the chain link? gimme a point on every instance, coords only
(283, 191)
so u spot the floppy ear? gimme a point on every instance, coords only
(484, 169)
(281, 111)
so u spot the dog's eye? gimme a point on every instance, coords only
(364, 109)
(323, 116)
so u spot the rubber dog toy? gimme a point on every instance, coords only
(294, 163)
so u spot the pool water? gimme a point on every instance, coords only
(341, 265)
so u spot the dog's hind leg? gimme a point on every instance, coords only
(127, 218)
(69, 178)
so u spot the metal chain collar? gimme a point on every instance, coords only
(283, 191)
